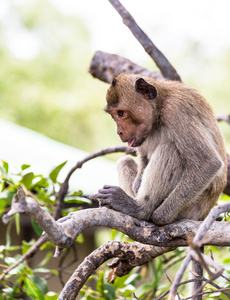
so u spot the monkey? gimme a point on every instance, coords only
(181, 166)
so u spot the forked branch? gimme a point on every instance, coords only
(197, 242)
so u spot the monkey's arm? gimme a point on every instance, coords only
(127, 172)
(159, 178)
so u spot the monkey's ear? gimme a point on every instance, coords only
(147, 90)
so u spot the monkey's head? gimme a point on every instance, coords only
(132, 103)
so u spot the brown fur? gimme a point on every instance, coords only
(181, 168)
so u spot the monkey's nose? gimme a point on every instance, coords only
(119, 132)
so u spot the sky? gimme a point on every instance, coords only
(170, 25)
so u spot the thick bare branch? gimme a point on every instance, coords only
(130, 255)
(65, 231)
(105, 67)
(161, 61)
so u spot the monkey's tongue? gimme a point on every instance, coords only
(131, 143)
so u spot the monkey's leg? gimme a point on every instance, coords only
(127, 172)
(159, 179)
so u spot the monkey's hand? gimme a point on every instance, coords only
(114, 197)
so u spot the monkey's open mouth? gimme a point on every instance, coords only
(130, 144)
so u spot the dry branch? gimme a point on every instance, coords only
(105, 67)
(65, 185)
(156, 240)
(64, 232)
(161, 61)
(129, 254)
(225, 118)
(196, 243)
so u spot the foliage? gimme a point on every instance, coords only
(23, 279)
(145, 282)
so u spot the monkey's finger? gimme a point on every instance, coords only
(93, 197)
(104, 201)
(103, 191)
(108, 186)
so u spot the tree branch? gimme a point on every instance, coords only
(65, 185)
(198, 241)
(64, 232)
(161, 61)
(105, 67)
(130, 255)
(33, 249)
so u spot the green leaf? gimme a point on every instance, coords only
(42, 270)
(45, 260)
(51, 296)
(3, 204)
(32, 290)
(78, 201)
(40, 283)
(17, 223)
(24, 167)
(10, 260)
(77, 193)
(54, 174)
(224, 197)
(27, 180)
(80, 238)
(8, 237)
(132, 278)
(27, 245)
(5, 166)
(127, 290)
(143, 289)
(36, 227)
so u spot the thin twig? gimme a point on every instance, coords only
(63, 192)
(178, 277)
(225, 118)
(219, 289)
(182, 283)
(174, 262)
(171, 282)
(65, 185)
(61, 268)
(42, 239)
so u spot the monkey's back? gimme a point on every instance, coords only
(183, 107)
(192, 112)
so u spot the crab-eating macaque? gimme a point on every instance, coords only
(181, 168)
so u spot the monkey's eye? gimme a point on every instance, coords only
(120, 113)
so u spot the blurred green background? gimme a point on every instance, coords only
(50, 90)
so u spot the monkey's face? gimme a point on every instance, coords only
(132, 127)
(130, 102)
